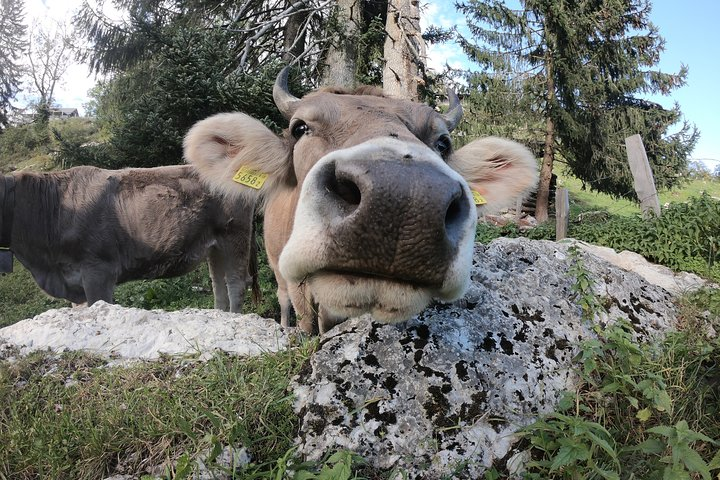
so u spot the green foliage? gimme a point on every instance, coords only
(32, 145)
(371, 43)
(21, 298)
(572, 447)
(582, 287)
(685, 238)
(147, 110)
(570, 77)
(630, 418)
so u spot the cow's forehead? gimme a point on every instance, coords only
(333, 109)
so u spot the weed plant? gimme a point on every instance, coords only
(642, 410)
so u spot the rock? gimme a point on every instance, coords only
(662, 276)
(444, 394)
(133, 333)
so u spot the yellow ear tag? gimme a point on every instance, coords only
(249, 177)
(479, 199)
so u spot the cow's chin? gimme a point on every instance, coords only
(347, 295)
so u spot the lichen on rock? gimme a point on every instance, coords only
(446, 392)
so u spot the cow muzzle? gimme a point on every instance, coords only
(382, 227)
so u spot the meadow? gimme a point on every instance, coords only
(71, 416)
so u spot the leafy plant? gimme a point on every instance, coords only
(683, 458)
(582, 287)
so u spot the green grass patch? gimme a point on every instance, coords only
(21, 298)
(73, 417)
(584, 199)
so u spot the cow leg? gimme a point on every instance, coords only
(327, 321)
(98, 286)
(237, 279)
(284, 301)
(216, 266)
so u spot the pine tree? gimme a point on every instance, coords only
(584, 65)
(12, 47)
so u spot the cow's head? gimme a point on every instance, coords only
(376, 211)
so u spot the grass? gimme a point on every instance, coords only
(584, 199)
(21, 298)
(72, 417)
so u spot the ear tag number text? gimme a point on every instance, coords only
(249, 177)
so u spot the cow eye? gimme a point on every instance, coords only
(299, 129)
(443, 145)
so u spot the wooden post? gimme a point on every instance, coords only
(642, 175)
(518, 210)
(562, 213)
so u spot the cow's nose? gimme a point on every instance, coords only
(394, 218)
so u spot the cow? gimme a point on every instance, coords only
(84, 230)
(367, 207)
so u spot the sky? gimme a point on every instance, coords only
(689, 30)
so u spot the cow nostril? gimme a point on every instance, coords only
(347, 193)
(455, 217)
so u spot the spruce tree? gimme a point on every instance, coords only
(12, 45)
(584, 67)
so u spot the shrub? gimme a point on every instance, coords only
(685, 238)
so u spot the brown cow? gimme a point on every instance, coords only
(367, 206)
(82, 231)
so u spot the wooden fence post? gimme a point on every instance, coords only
(642, 175)
(562, 213)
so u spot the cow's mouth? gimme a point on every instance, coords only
(350, 294)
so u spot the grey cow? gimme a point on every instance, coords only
(82, 231)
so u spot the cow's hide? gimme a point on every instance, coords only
(82, 231)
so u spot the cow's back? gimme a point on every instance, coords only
(86, 225)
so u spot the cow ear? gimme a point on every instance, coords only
(498, 170)
(236, 154)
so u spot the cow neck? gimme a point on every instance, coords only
(7, 201)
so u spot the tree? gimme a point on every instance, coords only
(584, 66)
(258, 27)
(50, 53)
(338, 66)
(12, 48)
(404, 50)
(176, 62)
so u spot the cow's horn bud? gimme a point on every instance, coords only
(284, 100)
(454, 114)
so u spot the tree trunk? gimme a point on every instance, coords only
(404, 49)
(542, 200)
(294, 42)
(339, 68)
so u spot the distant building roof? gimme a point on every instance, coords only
(64, 112)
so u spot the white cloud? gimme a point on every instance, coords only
(442, 13)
